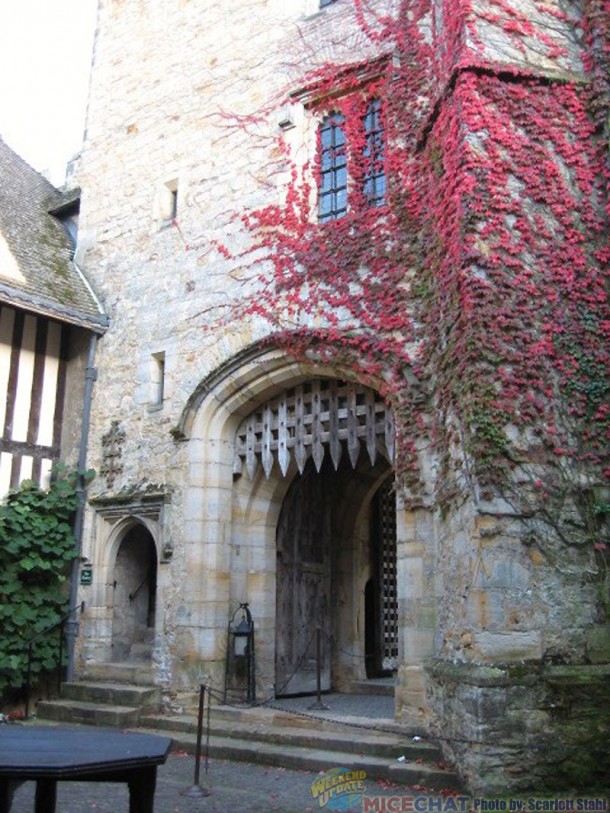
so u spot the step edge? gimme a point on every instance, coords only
(84, 705)
(370, 736)
(319, 756)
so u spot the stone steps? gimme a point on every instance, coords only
(101, 703)
(145, 697)
(137, 673)
(314, 757)
(77, 711)
(300, 733)
(262, 735)
(266, 736)
(104, 703)
(376, 686)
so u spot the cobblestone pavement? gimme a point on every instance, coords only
(237, 787)
(234, 787)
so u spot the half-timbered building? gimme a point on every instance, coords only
(47, 314)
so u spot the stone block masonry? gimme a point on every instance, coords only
(525, 726)
(227, 298)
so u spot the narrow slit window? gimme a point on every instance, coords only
(168, 203)
(332, 192)
(158, 378)
(374, 184)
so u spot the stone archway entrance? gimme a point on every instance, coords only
(334, 441)
(252, 426)
(134, 596)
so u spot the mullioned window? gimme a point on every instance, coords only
(367, 158)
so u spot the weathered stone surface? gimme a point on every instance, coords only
(523, 727)
(598, 644)
(189, 97)
(504, 647)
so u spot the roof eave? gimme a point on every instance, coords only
(21, 300)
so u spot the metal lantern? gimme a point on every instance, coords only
(242, 634)
(241, 647)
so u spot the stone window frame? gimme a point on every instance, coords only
(157, 380)
(166, 205)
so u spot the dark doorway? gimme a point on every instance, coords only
(135, 593)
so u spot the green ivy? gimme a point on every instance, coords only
(36, 547)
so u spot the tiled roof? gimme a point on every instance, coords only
(36, 270)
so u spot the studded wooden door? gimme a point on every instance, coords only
(303, 585)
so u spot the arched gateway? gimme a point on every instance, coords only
(279, 492)
(291, 508)
(340, 438)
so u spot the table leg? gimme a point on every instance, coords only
(142, 785)
(7, 789)
(46, 795)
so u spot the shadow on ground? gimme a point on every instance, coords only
(233, 787)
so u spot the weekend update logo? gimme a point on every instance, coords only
(342, 789)
(339, 789)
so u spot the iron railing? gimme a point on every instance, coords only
(59, 625)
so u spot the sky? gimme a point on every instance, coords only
(45, 59)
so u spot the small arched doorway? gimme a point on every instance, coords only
(134, 596)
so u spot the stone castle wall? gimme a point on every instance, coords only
(210, 107)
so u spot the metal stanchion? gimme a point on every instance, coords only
(28, 682)
(195, 791)
(318, 705)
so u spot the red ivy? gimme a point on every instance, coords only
(477, 297)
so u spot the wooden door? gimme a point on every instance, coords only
(303, 585)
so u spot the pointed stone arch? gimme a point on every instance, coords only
(228, 554)
(229, 520)
(141, 519)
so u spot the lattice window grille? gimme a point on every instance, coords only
(311, 419)
(388, 583)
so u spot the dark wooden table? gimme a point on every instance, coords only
(49, 754)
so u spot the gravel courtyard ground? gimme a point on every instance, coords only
(237, 787)
(234, 787)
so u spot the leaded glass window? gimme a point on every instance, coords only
(332, 197)
(374, 184)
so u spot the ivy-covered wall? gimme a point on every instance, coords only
(474, 299)
(37, 547)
